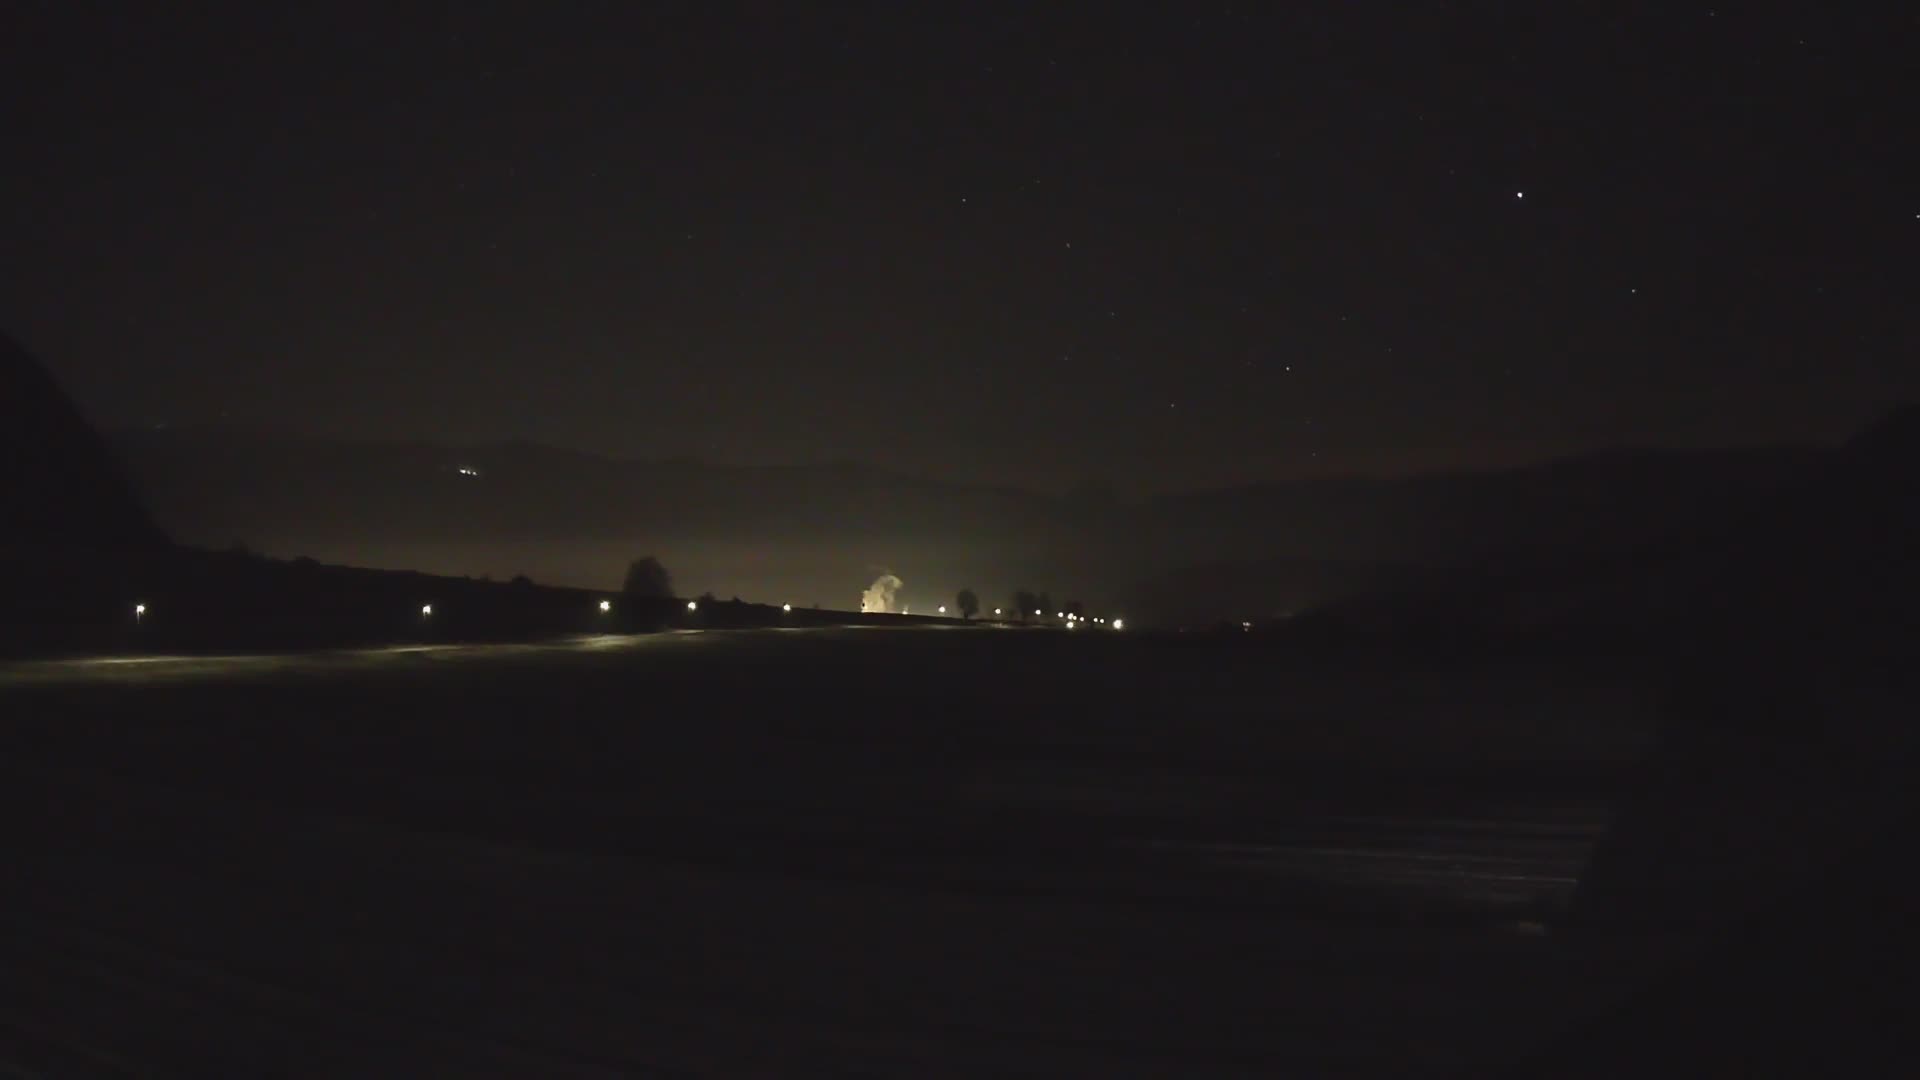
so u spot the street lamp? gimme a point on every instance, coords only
(1119, 624)
(693, 605)
(426, 610)
(606, 605)
(139, 612)
(943, 609)
(787, 608)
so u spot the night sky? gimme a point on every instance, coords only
(1038, 245)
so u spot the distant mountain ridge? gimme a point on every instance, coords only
(820, 530)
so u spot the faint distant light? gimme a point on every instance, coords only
(996, 613)
(1246, 626)
(786, 607)
(1119, 624)
(464, 471)
(1071, 624)
(1036, 613)
(606, 605)
(943, 609)
(1519, 194)
(139, 610)
(1059, 614)
(426, 610)
(693, 605)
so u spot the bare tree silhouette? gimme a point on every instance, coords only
(1025, 603)
(647, 579)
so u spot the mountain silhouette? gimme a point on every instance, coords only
(814, 530)
(60, 486)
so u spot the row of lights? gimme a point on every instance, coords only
(1072, 620)
(1075, 620)
(605, 606)
(426, 612)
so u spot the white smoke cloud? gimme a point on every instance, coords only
(881, 594)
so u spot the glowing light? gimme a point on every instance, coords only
(943, 609)
(1036, 613)
(880, 596)
(1119, 624)
(426, 610)
(786, 607)
(1246, 626)
(996, 613)
(1519, 194)
(1059, 614)
(1071, 625)
(606, 605)
(139, 610)
(693, 605)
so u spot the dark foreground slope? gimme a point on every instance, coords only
(1790, 690)
(1776, 818)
